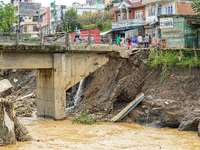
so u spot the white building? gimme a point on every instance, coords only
(81, 9)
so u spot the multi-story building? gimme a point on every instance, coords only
(81, 9)
(57, 15)
(171, 20)
(29, 26)
(61, 9)
(95, 1)
(44, 21)
(23, 8)
(129, 15)
(166, 19)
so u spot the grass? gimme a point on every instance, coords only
(171, 58)
(84, 118)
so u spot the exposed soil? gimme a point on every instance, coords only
(175, 103)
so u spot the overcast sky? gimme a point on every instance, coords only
(46, 3)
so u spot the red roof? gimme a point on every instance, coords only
(132, 4)
(128, 2)
(113, 8)
(136, 3)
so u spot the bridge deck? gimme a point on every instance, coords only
(57, 48)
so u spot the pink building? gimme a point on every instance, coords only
(44, 20)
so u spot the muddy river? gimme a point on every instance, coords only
(63, 135)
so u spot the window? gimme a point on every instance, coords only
(149, 12)
(138, 14)
(153, 12)
(25, 29)
(35, 28)
(169, 10)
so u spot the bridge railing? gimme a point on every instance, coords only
(59, 38)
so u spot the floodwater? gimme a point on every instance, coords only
(63, 135)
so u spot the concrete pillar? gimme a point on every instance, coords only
(51, 93)
(127, 11)
(121, 14)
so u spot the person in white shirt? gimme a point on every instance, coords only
(140, 40)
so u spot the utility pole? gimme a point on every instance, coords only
(62, 18)
(55, 17)
(90, 18)
(18, 19)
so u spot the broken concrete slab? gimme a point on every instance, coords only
(7, 135)
(10, 128)
(5, 87)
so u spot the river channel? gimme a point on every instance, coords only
(63, 135)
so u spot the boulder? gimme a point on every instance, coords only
(190, 122)
(5, 87)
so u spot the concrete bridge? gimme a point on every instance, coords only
(59, 69)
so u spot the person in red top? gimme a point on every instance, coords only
(129, 42)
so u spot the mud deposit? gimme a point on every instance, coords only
(62, 135)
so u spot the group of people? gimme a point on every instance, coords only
(139, 40)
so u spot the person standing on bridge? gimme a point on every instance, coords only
(77, 33)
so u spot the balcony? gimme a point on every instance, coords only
(128, 23)
(151, 19)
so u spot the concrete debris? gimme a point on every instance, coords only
(15, 80)
(26, 96)
(10, 128)
(5, 87)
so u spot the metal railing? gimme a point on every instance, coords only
(60, 38)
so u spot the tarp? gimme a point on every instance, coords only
(106, 32)
(127, 28)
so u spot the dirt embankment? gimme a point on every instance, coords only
(175, 103)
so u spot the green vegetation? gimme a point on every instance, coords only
(109, 6)
(84, 119)
(168, 59)
(7, 16)
(28, 35)
(71, 16)
(196, 5)
(100, 20)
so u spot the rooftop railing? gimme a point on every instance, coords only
(128, 23)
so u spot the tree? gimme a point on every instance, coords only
(100, 20)
(196, 6)
(109, 5)
(72, 19)
(7, 16)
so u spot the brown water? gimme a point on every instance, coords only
(62, 135)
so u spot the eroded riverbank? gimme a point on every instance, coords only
(51, 135)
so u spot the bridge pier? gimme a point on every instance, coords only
(51, 93)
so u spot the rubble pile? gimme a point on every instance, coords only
(22, 89)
